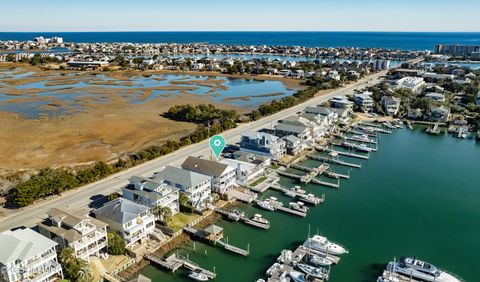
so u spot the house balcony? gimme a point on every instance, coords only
(41, 260)
(45, 273)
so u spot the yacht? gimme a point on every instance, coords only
(297, 276)
(266, 205)
(258, 221)
(309, 198)
(322, 244)
(317, 272)
(198, 275)
(333, 175)
(417, 269)
(298, 190)
(361, 138)
(320, 261)
(298, 206)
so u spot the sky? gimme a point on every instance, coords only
(244, 15)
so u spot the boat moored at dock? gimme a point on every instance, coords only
(299, 206)
(198, 275)
(315, 272)
(319, 261)
(322, 244)
(417, 269)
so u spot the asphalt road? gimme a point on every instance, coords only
(91, 195)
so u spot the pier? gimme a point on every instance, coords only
(278, 206)
(347, 154)
(334, 161)
(214, 235)
(348, 145)
(175, 261)
(328, 184)
(307, 198)
(228, 214)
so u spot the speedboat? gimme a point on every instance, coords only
(309, 198)
(320, 261)
(417, 269)
(298, 190)
(274, 268)
(258, 218)
(322, 244)
(332, 175)
(297, 276)
(198, 275)
(266, 205)
(317, 272)
(298, 206)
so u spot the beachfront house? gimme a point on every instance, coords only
(364, 101)
(294, 144)
(390, 105)
(198, 187)
(132, 221)
(316, 130)
(300, 131)
(341, 102)
(439, 114)
(262, 144)
(76, 229)
(28, 256)
(222, 176)
(152, 192)
(246, 172)
(343, 114)
(319, 120)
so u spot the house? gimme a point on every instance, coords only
(318, 119)
(364, 101)
(331, 115)
(28, 256)
(343, 115)
(75, 229)
(390, 105)
(132, 221)
(246, 172)
(263, 144)
(439, 114)
(333, 75)
(198, 187)
(316, 130)
(438, 97)
(294, 144)
(285, 73)
(341, 102)
(300, 131)
(223, 176)
(414, 84)
(259, 160)
(152, 193)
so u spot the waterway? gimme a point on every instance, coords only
(417, 196)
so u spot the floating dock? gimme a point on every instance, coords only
(278, 206)
(334, 161)
(202, 235)
(304, 197)
(347, 154)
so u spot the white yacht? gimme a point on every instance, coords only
(316, 272)
(298, 206)
(417, 269)
(198, 275)
(297, 276)
(266, 205)
(322, 244)
(362, 148)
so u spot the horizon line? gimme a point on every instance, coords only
(239, 31)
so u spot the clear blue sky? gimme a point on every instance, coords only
(218, 15)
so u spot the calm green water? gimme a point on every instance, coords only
(418, 195)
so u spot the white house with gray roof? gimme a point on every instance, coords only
(76, 229)
(223, 176)
(262, 144)
(197, 186)
(132, 221)
(152, 192)
(26, 255)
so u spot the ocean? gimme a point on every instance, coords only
(390, 40)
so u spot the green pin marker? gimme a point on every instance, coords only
(217, 144)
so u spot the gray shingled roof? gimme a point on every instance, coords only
(22, 244)
(291, 128)
(184, 177)
(206, 167)
(121, 210)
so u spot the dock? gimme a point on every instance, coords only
(214, 237)
(175, 261)
(334, 161)
(347, 154)
(228, 214)
(302, 178)
(327, 184)
(278, 206)
(347, 145)
(306, 198)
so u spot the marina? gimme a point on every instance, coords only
(333, 161)
(342, 153)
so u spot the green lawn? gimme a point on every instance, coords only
(180, 220)
(258, 181)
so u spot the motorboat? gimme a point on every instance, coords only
(266, 205)
(258, 218)
(297, 276)
(198, 275)
(361, 138)
(316, 272)
(320, 261)
(298, 206)
(239, 213)
(298, 190)
(274, 268)
(309, 198)
(322, 244)
(362, 148)
(417, 269)
(332, 175)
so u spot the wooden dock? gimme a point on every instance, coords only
(334, 161)
(175, 261)
(228, 214)
(306, 198)
(347, 154)
(200, 234)
(327, 184)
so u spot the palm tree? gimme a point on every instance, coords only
(66, 256)
(84, 273)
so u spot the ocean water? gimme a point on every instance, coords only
(391, 40)
(417, 196)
